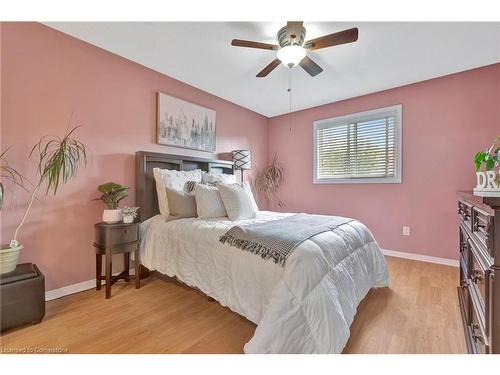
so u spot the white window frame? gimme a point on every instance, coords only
(359, 117)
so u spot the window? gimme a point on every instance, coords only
(362, 147)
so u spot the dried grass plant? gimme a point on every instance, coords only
(268, 181)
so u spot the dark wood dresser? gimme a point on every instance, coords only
(479, 290)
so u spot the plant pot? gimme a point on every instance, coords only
(112, 216)
(128, 219)
(9, 257)
(487, 184)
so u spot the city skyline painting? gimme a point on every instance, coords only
(185, 124)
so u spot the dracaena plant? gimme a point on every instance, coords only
(10, 175)
(59, 158)
(112, 194)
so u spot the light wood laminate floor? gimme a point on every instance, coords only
(418, 313)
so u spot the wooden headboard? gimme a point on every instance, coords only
(145, 186)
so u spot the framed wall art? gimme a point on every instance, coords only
(185, 124)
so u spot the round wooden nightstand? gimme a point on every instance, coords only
(112, 239)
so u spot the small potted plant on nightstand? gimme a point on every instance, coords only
(112, 194)
(129, 214)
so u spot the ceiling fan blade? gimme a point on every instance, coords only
(268, 69)
(250, 44)
(294, 29)
(310, 66)
(342, 37)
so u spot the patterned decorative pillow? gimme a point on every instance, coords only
(190, 185)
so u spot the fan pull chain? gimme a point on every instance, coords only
(290, 97)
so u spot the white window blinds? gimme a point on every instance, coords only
(363, 147)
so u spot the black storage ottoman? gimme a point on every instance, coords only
(22, 296)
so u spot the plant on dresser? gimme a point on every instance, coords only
(479, 289)
(112, 194)
(59, 158)
(488, 178)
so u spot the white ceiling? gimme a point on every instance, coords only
(386, 55)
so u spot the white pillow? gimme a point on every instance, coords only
(214, 178)
(174, 180)
(208, 202)
(238, 201)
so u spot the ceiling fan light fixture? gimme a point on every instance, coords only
(292, 47)
(291, 55)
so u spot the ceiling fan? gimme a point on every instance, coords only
(292, 50)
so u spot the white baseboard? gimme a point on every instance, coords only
(74, 288)
(422, 258)
(70, 289)
(89, 284)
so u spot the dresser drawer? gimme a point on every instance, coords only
(464, 248)
(477, 334)
(123, 235)
(465, 304)
(465, 213)
(482, 229)
(464, 272)
(479, 277)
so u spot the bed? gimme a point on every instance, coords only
(306, 306)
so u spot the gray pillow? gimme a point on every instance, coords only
(181, 203)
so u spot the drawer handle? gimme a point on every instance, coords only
(475, 336)
(464, 212)
(477, 275)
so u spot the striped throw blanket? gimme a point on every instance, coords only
(277, 239)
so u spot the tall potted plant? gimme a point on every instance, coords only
(58, 161)
(9, 174)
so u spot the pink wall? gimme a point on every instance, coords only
(47, 76)
(445, 121)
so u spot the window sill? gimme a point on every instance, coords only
(394, 180)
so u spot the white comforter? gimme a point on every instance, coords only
(307, 306)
